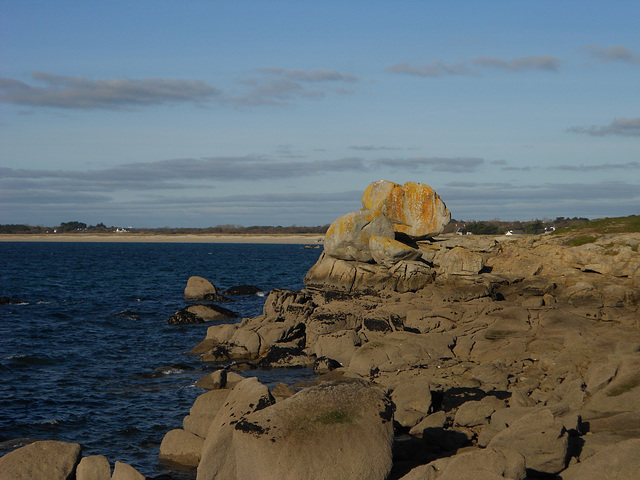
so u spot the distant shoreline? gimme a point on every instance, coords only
(301, 239)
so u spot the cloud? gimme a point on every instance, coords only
(313, 75)
(437, 69)
(523, 202)
(615, 53)
(277, 86)
(437, 164)
(372, 148)
(545, 63)
(626, 127)
(605, 166)
(69, 92)
(173, 174)
(434, 69)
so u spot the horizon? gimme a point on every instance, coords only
(268, 113)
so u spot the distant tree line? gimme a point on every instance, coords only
(486, 227)
(80, 227)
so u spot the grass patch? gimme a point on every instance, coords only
(625, 387)
(334, 417)
(630, 224)
(580, 240)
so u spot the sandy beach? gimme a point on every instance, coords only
(311, 239)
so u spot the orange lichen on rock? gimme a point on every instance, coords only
(413, 208)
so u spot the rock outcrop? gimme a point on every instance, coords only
(491, 357)
(507, 351)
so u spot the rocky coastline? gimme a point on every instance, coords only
(438, 357)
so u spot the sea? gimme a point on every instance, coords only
(87, 355)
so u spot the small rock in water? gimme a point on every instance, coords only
(243, 290)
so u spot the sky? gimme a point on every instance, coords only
(257, 112)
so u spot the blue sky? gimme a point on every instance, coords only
(201, 113)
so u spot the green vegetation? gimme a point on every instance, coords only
(581, 240)
(333, 417)
(630, 224)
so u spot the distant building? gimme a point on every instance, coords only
(549, 229)
(515, 232)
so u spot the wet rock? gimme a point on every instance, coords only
(324, 365)
(201, 314)
(240, 290)
(285, 356)
(219, 379)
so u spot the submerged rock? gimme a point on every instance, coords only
(244, 290)
(201, 314)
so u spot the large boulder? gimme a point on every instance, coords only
(198, 287)
(44, 460)
(414, 208)
(218, 457)
(334, 431)
(348, 237)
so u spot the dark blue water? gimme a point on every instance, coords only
(88, 357)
